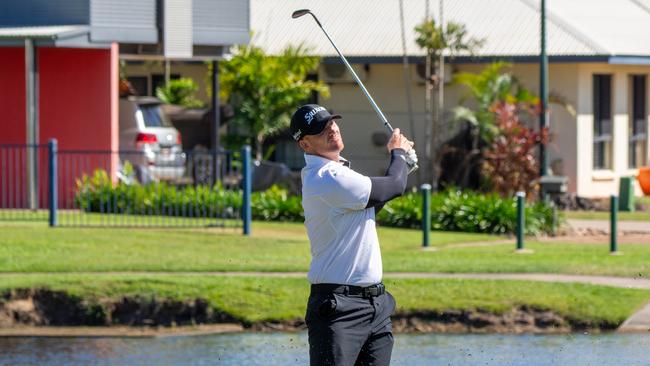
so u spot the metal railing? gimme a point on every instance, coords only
(24, 182)
(125, 188)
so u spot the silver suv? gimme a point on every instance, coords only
(149, 141)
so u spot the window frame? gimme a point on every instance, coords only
(603, 122)
(638, 121)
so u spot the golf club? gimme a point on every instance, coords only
(297, 14)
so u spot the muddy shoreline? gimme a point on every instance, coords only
(34, 312)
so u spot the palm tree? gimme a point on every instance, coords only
(490, 86)
(264, 90)
(437, 40)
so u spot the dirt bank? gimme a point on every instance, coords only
(23, 308)
(41, 307)
(518, 320)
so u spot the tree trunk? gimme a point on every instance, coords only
(428, 118)
(259, 142)
(436, 138)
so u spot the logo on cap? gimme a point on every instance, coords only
(296, 135)
(309, 116)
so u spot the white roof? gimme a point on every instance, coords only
(510, 27)
(49, 32)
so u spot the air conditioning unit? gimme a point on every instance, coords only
(339, 73)
(420, 73)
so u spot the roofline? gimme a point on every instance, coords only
(629, 60)
(609, 59)
(75, 30)
(75, 36)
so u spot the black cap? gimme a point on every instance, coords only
(310, 119)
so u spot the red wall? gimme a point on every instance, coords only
(12, 95)
(76, 109)
(77, 106)
(75, 97)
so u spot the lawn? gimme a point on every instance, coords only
(32, 247)
(251, 299)
(601, 215)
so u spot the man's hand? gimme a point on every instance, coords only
(399, 141)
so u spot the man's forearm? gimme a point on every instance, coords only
(391, 185)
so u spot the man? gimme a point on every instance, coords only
(348, 311)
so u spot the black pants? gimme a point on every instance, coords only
(350, 329)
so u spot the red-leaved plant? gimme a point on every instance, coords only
(510, 163)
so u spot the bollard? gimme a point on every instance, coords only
(555, 220)
(521, 219)
(426, 213)
(53, 190)
(613, 210)
(246, 186)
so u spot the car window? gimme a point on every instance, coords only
(154, 117)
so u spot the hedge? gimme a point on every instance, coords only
(451, 210)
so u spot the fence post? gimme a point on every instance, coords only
(426, 213)
(246, 186)
(521, 220)
(613, 218)
(53, 201)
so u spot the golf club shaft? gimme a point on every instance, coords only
(411, 160)
(365, 91)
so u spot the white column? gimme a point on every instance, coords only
(584, 131)
(31, 109)
(620, 94)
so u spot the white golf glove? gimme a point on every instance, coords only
(412, 160)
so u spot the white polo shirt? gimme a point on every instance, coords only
(344, 244)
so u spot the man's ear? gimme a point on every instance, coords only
(303, 144)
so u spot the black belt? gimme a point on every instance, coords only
(365, 292)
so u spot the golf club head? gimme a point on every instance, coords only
(299, 13)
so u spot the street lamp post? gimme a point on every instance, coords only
(543, 90)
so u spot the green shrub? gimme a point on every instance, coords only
(180, 92)
(467, 211)
(451, 210)
(99, 194)
(275, 204)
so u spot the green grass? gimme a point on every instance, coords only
(273, 247)
(284, 247)
(252, 299)
(602, 215)
(33, 247)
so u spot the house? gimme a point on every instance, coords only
(60, 61)
(599, 60)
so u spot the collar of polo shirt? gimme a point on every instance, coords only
(310, 159)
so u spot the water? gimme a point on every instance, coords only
(291, 349)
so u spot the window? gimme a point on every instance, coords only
(602, 121)
(153, 117)
(158, 80)
(139, 83)
(638, 127)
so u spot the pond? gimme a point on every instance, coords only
(291, 349)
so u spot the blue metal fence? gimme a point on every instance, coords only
(24, 182)
(125, 188)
